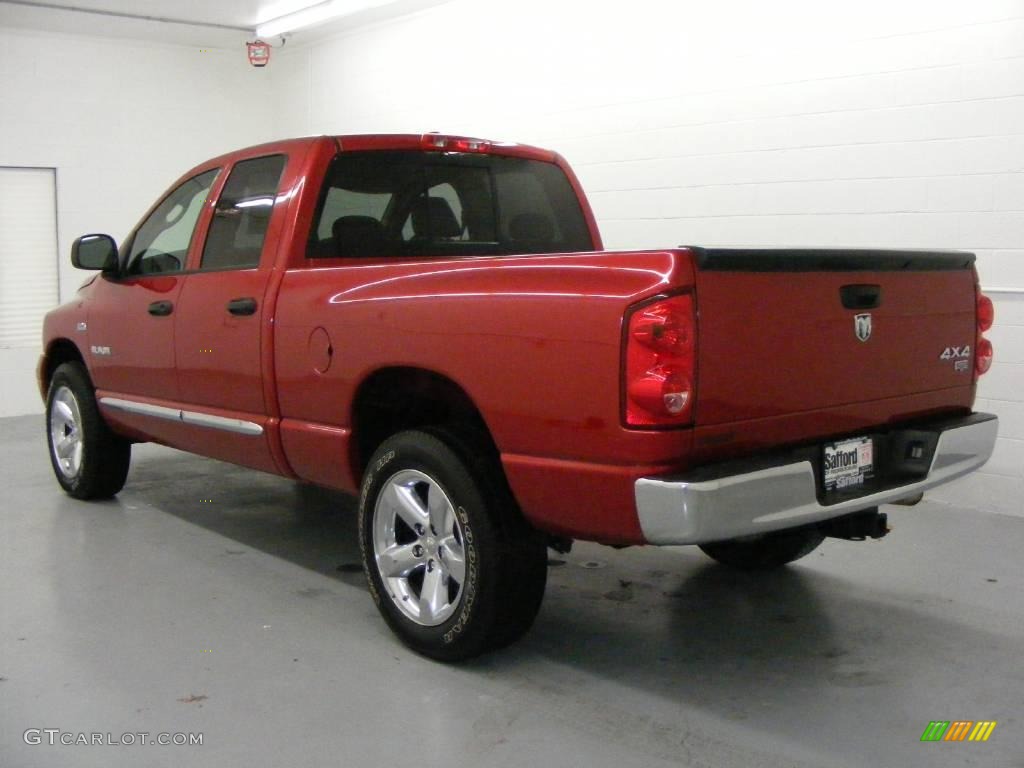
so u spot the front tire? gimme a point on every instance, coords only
(89, 461)
(772, 550)
(452, 567)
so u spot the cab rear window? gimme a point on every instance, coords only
(410, 203)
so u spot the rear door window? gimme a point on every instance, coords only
(412, 203)
(240, 221)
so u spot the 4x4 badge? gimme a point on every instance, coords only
(862, 326)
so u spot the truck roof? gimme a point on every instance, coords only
(433, 142)
(441, 142)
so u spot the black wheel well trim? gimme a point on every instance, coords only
(59, 351)
(417, 398)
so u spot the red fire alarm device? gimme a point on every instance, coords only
(259, 53)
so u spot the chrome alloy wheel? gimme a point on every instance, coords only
(418, 547)
(66, 432)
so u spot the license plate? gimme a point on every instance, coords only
(847, 464)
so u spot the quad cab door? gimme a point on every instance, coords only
(130, 330)
(223, 317)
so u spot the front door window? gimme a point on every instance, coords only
(162, 241)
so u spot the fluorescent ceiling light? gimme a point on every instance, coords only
(283, 8)
(317, 14)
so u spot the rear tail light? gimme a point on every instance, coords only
(983, 356)
(986, 314)
(659, 363)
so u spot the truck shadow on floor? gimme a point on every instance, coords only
(779, 652)
(776, 652)
(310, 526)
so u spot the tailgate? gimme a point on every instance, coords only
(783, 332)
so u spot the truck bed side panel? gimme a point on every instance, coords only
(534, 341)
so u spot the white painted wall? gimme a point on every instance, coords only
(731, 123)
(119, 120)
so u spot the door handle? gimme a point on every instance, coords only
(161, 308)
(861, 296)
(246, 306)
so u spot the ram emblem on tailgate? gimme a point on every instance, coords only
(862, 326)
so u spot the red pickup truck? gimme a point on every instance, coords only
(431, 322)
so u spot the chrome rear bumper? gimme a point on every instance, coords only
(673, 510)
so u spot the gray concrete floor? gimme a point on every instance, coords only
(210, 599)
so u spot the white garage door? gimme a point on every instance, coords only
(28, 253)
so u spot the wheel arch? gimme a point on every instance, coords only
(398, 398)
(58, 352)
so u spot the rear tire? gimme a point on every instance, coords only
(772, 550)
(89, 461)
(451, 565)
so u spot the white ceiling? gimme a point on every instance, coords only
(191, 22)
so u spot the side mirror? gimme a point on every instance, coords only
(95, 252)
